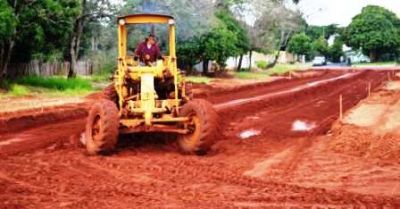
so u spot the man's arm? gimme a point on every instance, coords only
(139, 50)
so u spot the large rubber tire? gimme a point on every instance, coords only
(203, 125)
(102, 128)
(110, 93)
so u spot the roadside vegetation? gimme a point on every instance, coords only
(375, 32)
(66, 31)
(47, 86)
(377, 64)
(256, 74)
(55, 83)
(277, 70)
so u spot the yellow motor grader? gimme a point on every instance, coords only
(134, 105)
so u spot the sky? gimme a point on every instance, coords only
(325, 12)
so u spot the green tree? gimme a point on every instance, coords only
(300, 44)
(336, 50)
(376, 31)
(218, 45)
(226, 39)
(7, 26)
(33, 29)
(273, 27)
(7, 21)
(242, 44)
(88, 11)
(315, 32)
(320, 46)
(188, 53)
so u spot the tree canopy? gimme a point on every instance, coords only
(207, 30)
(320, 46)
(34, 29)
(300, 44)
(227, 38)
(376, 31)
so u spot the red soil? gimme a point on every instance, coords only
(279, 168)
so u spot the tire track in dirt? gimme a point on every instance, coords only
(187, 182)
(216, 97)
(289, 113)
(153, 177)
(75, 127)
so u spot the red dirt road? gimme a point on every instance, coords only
(278, 168)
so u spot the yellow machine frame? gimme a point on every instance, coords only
(137, 112)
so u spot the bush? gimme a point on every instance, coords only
(262, 64)
(18, 90)
(55, 83)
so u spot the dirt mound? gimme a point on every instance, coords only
(351, 139)
(301, 73)
(38, 117)
(386, 147)
(363, 142)
(371, 129)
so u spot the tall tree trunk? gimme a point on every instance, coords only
(250, 57)
(282, 44)
(72, 59)
(239, 66)
(1, 63)
(205, 67)
(271, 65)
(76, 40)
(8, 46)
(6, 56)
(373, 56)
(188, 68)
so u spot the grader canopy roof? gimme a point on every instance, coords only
(145, 19)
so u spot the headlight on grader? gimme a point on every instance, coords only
(121, 22)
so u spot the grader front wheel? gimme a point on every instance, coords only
(203, 127)
(102, 127)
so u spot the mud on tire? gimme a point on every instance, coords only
(204, 127)
(102, 128)
(110, 93)
(189, 90)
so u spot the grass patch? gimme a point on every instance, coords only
(198, 79)
(262, 64)
(251, 75)
(47, 86)
(284, 68)
(55, 83)
(376, 64)
(100, 78)
(277, 70)
(18, 90)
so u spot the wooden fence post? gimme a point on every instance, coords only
(341, 107)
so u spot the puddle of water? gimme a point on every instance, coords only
(83, 138)
(253, 117)
(249, 133)
(302, 126)
(11, 141)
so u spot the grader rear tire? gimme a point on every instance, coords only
(203, 126)
(102, 128)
